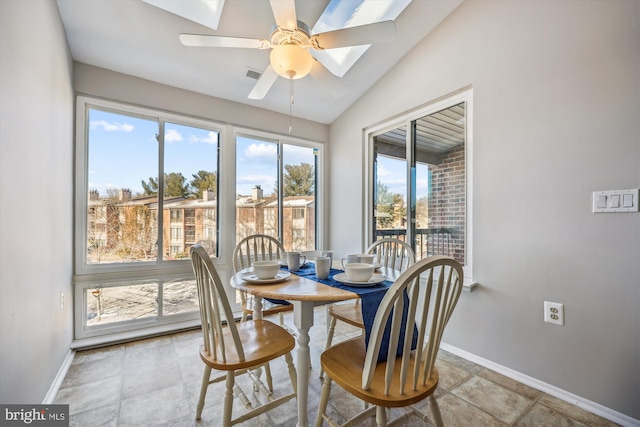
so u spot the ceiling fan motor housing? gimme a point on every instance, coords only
(290, 55)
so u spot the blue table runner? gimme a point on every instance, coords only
(370, 297)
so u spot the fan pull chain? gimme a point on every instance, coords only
(290, 105)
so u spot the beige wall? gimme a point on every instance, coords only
(556, 89)
(36, 206)
(94, 81)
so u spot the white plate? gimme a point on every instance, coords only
(376, 265)
(252, 278)
(375, 279)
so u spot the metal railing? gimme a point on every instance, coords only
(429, 241)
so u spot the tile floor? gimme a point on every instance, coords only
(156, 382)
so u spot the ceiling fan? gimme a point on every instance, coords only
(292, 46)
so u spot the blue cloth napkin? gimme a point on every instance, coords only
(370, 297)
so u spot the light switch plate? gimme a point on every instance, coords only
(616, 200)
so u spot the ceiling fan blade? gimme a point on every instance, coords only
(378, 32)
(266, 80)
(204, 12)
(200, 40)
(285, 13)
(327, 80)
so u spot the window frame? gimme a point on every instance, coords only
(464, 95)
(280, 140)
(83, 104)
(86, 276)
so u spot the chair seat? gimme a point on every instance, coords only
(261, 340)
(347, 372)
(267, 306)
(350, 313)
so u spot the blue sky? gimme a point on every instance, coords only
(393, 173)
(123, 151)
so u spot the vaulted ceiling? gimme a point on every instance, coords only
(138, 39)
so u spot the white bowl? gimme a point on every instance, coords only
(266, 269)
(358, 271)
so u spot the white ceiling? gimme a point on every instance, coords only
(136, 38)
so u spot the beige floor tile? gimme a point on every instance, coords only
(91, 395)
(156, 382)
(458, 412)
(540, 415)
(155, 408)
(493, 398)
(575, 412)
(509, 383)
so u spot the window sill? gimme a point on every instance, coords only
(469, 284)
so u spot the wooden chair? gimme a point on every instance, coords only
(391, 253)
(259, 247)
(236, 349)
(410, 377)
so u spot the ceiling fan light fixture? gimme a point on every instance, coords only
(291, 61)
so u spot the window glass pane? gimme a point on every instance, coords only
(256, 182)
(299, 198)
(440, 145)
(121, 221)
(391, 196)
(179, 296)
(126, 301)
(190, 189)
(439, 184)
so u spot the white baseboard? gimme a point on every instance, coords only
(587, 405)
(57, 381)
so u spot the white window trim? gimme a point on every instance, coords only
(322, 234)
(81, 189)
(463, 95)
(86, 275)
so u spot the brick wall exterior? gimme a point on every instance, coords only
(447, 207)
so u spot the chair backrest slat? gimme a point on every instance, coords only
(257, 247)
(431, 301)
(214, 306)
(392, 253)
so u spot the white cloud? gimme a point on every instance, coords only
(111, 127)
(172, 135)
(211, 138)
(261, 151)
(253, 179)
(382, 171)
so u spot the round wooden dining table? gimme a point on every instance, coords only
(304, 294)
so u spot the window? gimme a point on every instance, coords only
(298, 213)
(276, 188)
(143, 182)
(147, 189)
(419, 180)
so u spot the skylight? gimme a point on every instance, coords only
(350, 13)
(204, 12)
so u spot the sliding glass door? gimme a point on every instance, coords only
(418, 182)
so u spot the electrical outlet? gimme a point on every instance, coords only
(554, 313)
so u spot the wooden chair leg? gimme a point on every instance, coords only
(437, 417)
(330, 332)
(292, 372)
(267, 371)
(324, 400)
(228, 399)
(381, 416)
(203, 390)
